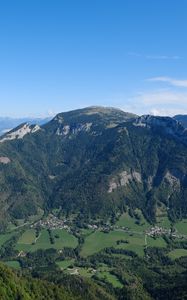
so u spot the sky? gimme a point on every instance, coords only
(60, 55)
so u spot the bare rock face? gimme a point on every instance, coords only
(124, 179)
(19, 132)
(64, 131)
(67, 129)
(174, 179)
(4, 160)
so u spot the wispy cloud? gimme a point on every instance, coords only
(169, 80)
(155, 57)
(163, 97)
(166, 112)
(158, 102)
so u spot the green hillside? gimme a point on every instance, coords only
(14, 286)
(95, 162)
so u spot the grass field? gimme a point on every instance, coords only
(64, 264)
(103, 272)
(5, 237)
(86, 232)
(28, 237)
(99, 240)
(126, 221)
(158, 242)
(26, 241)
(181, 226)
(13, 264)
(43, 241)
(136, 244)
(65, 239)
(177, 253)
(86, 272)
(107, 276)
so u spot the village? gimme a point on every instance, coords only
(159, 231)
(51, 222)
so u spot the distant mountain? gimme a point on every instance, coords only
(7, 124)
(95, 162)
(182, 119)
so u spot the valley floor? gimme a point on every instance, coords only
(94, 250)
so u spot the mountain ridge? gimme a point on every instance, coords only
(96, 161)
(8, 123)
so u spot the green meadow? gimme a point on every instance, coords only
(28, 237)
(13, 264)
(177, 253)
(126, 221)
(181, 226)
(108, 277)
(5, 237)
(29, 243)
(64, 264)
(98, 240)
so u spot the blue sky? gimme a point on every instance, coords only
(61, 55)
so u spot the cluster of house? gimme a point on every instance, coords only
(51, 222)
(156, 231)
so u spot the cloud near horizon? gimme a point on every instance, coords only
(159, 102)
(167, 101)
(169, 80)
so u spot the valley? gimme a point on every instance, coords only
(71, 249)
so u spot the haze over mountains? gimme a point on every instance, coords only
(95, 161)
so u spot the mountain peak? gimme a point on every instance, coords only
(95, 111)
(83, 119)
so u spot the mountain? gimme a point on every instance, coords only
(182, 119)
(95, 162)
(6, 124)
